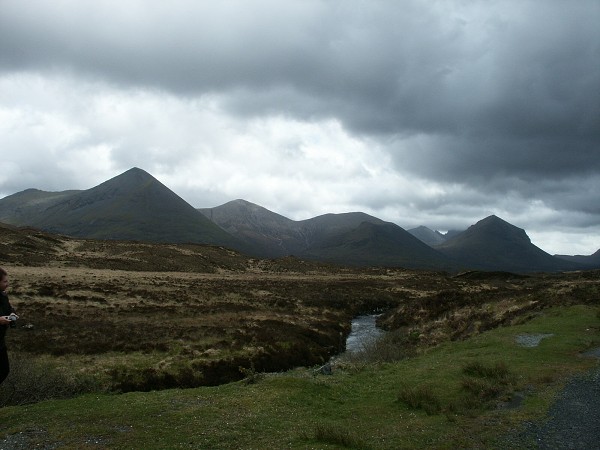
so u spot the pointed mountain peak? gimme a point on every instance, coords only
(131, 177)
(498, 227)
(134, 172)
(493, 219)
(422, 228)
(494, 244)
(131, 206)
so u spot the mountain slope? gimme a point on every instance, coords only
(590, 261)
(270, 234)
(23, 207)
(493, 244)
(427, 235)
(130, 206)
(378, 244)
(273, 235)
(353, 238)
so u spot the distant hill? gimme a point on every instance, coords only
(130, 206)
(378, 244)
(27, 206)
(273, 235)
(494, 244)
(270, 234)
(427, 235)
(451, 233)
(354, 238)
(592, 261)
(319, 230)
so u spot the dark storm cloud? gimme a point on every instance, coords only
(522, 69)
(492, 100)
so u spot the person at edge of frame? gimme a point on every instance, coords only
(7, 319)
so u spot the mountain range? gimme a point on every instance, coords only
(136, 206)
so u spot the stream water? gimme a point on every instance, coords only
(364, 330)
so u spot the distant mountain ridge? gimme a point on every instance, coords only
(494, 244)
(591, 261)
(136, 206)
(349, 238)
(430, 237)
(27, 205)
(276, 235)
(130, 206)
(383, 244)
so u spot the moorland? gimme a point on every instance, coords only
(187, 339)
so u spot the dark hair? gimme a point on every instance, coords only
(3, 273)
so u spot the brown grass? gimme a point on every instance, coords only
(149, 316)
(202, 327)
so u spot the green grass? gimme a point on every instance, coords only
(440, 399)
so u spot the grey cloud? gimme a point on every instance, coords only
(500, 98)
(476, 159)
(381, 67)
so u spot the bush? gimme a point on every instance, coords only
(499, 371)
(482, 390)
(250, 374)
(420, 397)
(128, 379)
(31, 380)
(485, 383)
(338, 436)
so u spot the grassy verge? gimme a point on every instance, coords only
(456, 395)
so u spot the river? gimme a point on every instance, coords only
(364, 330)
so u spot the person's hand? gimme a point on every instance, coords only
(4, 320)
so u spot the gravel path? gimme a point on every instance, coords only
(573, 421)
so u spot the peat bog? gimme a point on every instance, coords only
(139, 317)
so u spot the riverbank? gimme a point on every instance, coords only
(433, 400)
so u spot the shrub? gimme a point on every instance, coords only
(32, 380)
(484, 383)
(420, 397)
(250, 374)
(128, 379)
(336, 435)
(482, 389)
(499, 371)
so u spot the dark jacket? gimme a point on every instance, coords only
(5, 310)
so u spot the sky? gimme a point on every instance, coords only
(419, 112)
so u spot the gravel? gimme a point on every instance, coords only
(573, 420)
(24, 440)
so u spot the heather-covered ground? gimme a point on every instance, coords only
(231, 347)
